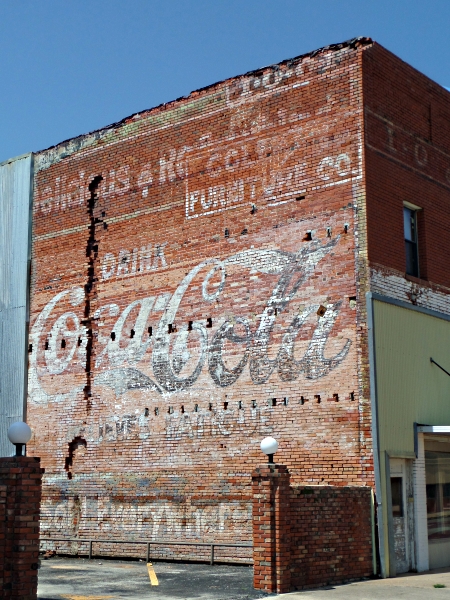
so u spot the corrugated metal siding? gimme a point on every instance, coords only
(409, 388)
(15, 234)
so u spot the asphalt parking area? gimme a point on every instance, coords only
(83, 579)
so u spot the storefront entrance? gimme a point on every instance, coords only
(402, 514)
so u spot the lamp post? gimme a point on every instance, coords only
(19, 434)
(269, 446)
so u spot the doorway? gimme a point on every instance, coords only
(402, 514)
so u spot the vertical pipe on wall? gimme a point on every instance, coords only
(384, 568)
(28, 284)
(372, 527)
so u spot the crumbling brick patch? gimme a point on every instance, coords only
(89, 288)
(77, 442)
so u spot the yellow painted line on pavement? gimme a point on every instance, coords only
(152, 574)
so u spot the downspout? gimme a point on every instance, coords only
(375, 435)
(372, 528)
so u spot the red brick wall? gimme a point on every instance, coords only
(308, 536)
(197, 216)
(407, 157)
(331, 535)
(20, 495)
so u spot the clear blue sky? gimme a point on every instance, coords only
(70, 66)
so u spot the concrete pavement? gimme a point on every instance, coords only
(405, 587)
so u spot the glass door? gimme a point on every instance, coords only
(437, 468)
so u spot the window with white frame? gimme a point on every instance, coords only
(411, 244)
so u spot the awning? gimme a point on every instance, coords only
(433, 428)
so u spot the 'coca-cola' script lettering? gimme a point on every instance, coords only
(168, 354)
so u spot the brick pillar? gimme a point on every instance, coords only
(20, 497)
(271, 528)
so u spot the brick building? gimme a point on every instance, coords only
(213, 270)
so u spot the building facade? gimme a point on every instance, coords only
(407, 160)
(221, 268)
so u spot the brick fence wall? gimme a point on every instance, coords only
(308, 536)
(20, 496)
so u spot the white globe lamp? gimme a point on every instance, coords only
(269, 446)
(19, 434)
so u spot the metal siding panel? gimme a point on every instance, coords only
(15, 233)
(15, 188)
(13, 330)
(409, 388)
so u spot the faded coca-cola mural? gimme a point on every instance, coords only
(170, 355)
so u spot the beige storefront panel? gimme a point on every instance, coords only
(409, 387)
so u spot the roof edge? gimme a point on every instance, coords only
(77, 141)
